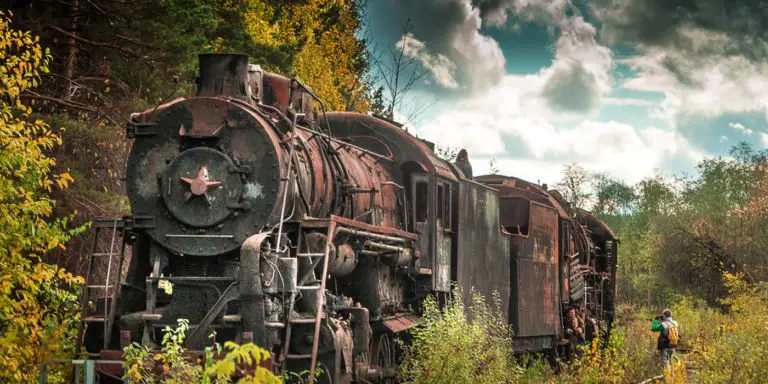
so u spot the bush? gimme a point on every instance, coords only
(738, 350)
(449, 348)
(38, 307)
(171, 366)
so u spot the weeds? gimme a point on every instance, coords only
(473, 345)
(449, 348)
(171, 366)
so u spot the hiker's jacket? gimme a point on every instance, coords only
(573, 323)
(661, 327)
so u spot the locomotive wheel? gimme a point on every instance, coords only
(386, 354)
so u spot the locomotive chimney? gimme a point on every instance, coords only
(223, 75)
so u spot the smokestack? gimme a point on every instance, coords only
(223, 75)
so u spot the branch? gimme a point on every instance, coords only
(120, 84)
(97, 8)
(418, 109)
(98, 44)
(139, 43)
(70, 104)
(93, 92)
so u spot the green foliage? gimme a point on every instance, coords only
(679, 235)
(575, 185)
(598, 365)
(38, 306)
(738, 350)
(449, 348)
(130, 56)
(249, 355)
(171, 366)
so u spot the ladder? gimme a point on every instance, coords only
(319, 289)
(106, 290)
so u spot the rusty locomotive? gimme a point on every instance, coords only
(317, 234)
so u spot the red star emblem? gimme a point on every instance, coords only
(199, 185)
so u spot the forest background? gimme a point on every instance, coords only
(73, 70)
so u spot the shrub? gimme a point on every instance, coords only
(38, 307)
(448, 347)
(738, 352)
(171, 366)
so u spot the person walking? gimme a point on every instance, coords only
(669, 335)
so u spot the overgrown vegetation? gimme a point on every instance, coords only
(680, 234)
(725, 348)
(114, 58)
(694, 244)
(38, 307)
(239, 364)
(104, 60)
(449, 348)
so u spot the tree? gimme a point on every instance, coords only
(120, 57)
(613, 197)
(493, 167)
(574, 185)
(399, 72)
(447, 153)
(377, 103)
(38, 311)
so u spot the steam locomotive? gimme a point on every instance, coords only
(317, 235)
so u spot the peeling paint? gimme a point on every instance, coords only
(253, 190)
(152, 165)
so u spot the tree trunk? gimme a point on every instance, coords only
(72, 43)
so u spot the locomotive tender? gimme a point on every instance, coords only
(316, 235)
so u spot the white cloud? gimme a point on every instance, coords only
(723, 139)
(764, 139)
(628, 102)
(580, 74)
(484, 60)
(701, 89)
(495, 12)
(740, 127)
(528, 146)
(441, 67)
(533, 124)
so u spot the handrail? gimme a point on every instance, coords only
(88, 365)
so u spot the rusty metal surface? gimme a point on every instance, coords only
(515, 215)
(401, 322)
(535, 296)
(278, 91)
(373, 228)
(365, 130)
(597, 226)
(159, 162)
(510, 186)
(223, 75)
(483, 251)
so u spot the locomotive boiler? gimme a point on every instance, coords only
(317, 234)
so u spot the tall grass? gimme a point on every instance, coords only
(732, 347)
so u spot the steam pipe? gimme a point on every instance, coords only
(287, 179)
(370, 234)
(249, 284)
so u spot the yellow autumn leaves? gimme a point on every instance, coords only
(38, 310)
(328, 53)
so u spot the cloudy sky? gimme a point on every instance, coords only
(625, 87)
